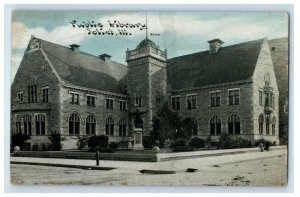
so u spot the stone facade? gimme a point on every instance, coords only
(69, 106)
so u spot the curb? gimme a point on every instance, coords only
(63, 165)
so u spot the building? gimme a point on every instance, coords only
(229, 89)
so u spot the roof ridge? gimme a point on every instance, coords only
(233, 45)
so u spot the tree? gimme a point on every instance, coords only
(18, 139)
(165, 126)
(55, 139)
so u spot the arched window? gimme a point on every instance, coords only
(261, 124)
(74, 124)
(215, 125)
(273, 125)
(27, 124)
(234, 125)
(18, 124)
(122, 127)
(90, 125)
(267, 125)
(40, 126)
(109, 126)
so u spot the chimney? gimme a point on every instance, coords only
(214, 45)
(75, 47)
(105, 57)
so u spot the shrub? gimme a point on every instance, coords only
(55, 139)
(225, 142)
(266, 143)
(18, 139)
(147, 142)
(44, 147)
(97, 142)
(180, 143)
(35, 147)
(229, 142)
(197, 142)
(113, 145)
(183, 149)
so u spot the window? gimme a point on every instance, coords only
(267, 125)
(122, 105)
(138, 99)
(272, 99)
(109, 126)
(267, 79)
(27, 124)
(215, 125)
(176, 102)
(18, 124)
(122, 127)
(273, 125)
(20, 96)
(74, 124)
(215, 99)
(234, 97)
(90, 125)
(260, 97)
(267, 99)
(90, 100)
(110, 103)
(273, 48)
(234, 124)
(40, 126)
(74, 98)
(45, 94)
(191, 101)
(32, 94)
(195, 126)
(32, 89)
(261, 124)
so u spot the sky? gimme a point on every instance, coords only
(179, 32)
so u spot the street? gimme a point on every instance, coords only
(260, 169)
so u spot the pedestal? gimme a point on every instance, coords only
(138, 139)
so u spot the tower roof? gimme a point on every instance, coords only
(146, 42)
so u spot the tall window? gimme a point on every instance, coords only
(32, 89)
(261, 124)
(122, 127)
(32, 94)
(267, 98)
(90, 125)
(27, 124)
(138, 99)
(191, 101)
(234, 124)
(74, 124)
(109, 126)
(215, 99)
(176, 102)
(74, 98)
(267, 125)
(260, 97)
(110, 103)
(45, 94)
(40, 126)
(215, 125)
(273, 125)
(122, 105)
(90, 100)
(18, 124)
(234, 97)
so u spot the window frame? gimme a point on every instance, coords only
(90, 100)
(176, 105)
(74, 98)
(234, 96)
(191, 101)
(215, 101)
(45, 95)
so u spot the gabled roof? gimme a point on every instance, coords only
(85, 70)
(229, 64)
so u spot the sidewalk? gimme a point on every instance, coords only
(175, 165)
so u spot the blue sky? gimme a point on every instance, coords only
(179, 32)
